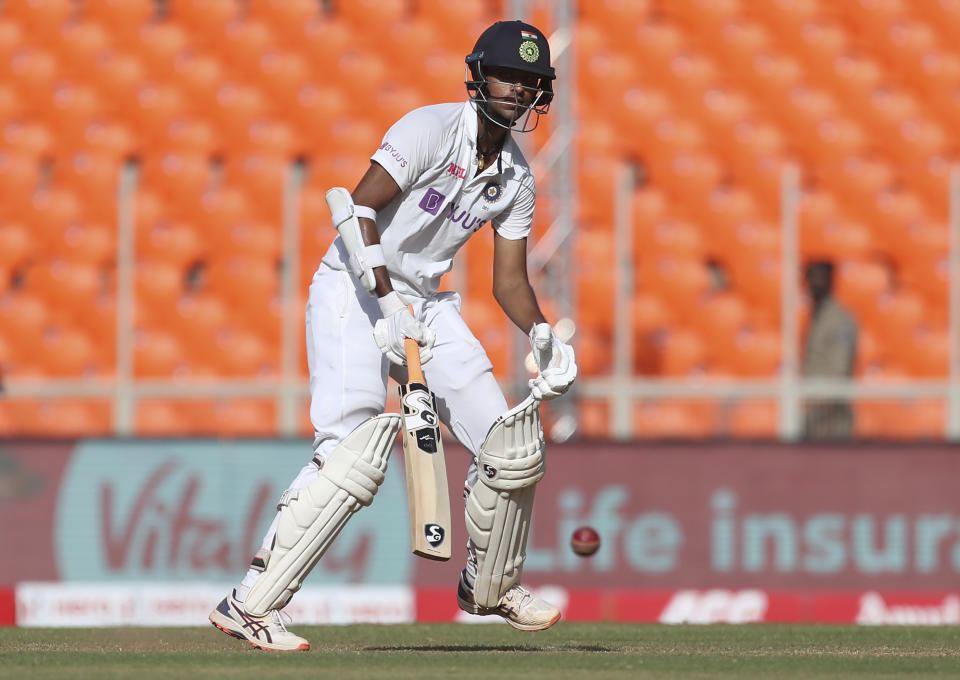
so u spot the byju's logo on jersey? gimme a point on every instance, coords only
(432, 201)
(434, 534)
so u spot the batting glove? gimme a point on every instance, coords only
(398, 324)
(556, 363)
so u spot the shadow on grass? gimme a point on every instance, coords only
(488, 648)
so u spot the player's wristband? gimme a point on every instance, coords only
(391, 303)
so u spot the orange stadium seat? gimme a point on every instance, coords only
(118, 77)
(753, 419)
(34, 72)
(689, 76)
(243, 42)
(199, 76)
(943, 15)
(177, 244)
(911, 41)
(205, 19)
(71, 110)
(704, 16)
(152, 110)
(722, 109)
(30, 138)
(238, 106)
(17, 246)
(755, 353)
(191, 136)
(63, 285)
(286, 17)
(820, 44)
(615, 17)
(373, 16)
(156, 354)
(262, 178)
(324, 40)
(673, 420)
(895, 316)
(237, 417)
(641, 111)
(199, 317)
(471, 17)
(241, 353)
(282, 74)
(268, 137)
(719, 317)
(43, 18)
(680, 353)
(690, 176)
(606, 74)
(680, 283)
(63, 418)
(124, 17)
(671, 238)
(219, 209)
(157, 288)
(95, 177)
(246, 284)
(19, 175)
(11, 105)
(654, 44)
(873, 18)
(51, 212)
(860, 283)
(858, 180)
(181, 179)
(738, 44)
(24, 318)
(162, 418)
(80, 44)
(159, 45)
(68, 352)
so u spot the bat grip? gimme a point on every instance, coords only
(412, 350)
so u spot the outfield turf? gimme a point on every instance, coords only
(455, 651)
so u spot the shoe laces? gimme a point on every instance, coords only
(280, 618)
(519, 595)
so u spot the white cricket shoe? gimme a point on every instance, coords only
(519, 607)
(263, 632)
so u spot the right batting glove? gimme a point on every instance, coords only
(556, 363)
(398, 324)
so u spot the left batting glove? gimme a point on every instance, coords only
(556, 363)
(398, 324)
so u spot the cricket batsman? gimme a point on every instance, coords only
(442, 174)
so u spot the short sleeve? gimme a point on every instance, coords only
(405, 150)
(515, 222)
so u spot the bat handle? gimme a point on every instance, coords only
(412, 350)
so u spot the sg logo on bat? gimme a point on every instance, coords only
(434, 534)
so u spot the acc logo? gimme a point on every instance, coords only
(492, 192)
(434, 534)
(489, 471)
(529, 51)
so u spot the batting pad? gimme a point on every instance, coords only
(500, 505)
(312, 517)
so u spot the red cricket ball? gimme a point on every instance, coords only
(585, 541)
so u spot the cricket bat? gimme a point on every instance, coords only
(427, 490)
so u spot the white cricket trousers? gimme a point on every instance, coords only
(348, 372)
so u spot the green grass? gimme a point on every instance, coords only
(455, 651)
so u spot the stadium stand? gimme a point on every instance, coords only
(709, 98)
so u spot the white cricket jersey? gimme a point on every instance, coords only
(431, 154)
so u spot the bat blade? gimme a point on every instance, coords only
(427, 491)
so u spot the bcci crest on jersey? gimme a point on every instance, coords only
(492, 192)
